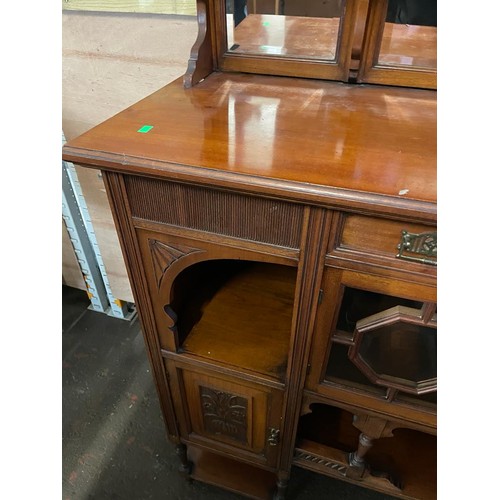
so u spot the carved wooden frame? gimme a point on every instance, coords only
(398, 314)
(210, 53)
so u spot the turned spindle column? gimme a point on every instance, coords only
(371, 428)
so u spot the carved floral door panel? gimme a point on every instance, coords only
(236, 417)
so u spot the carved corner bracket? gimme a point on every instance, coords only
(200, 62)
(163, 256)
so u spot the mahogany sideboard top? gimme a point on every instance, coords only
(367, 148)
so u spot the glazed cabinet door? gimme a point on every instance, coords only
(232, 416)
(375, 345)
(369, 409)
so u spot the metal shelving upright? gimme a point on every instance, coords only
(81, 232)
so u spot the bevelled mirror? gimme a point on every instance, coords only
(400, 43)
(310, 38)
(308, 30)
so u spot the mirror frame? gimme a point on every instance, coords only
(289, 66)
(372, 72)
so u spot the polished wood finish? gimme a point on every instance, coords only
(360, 242)
(215, 211)
(375, 236)
(223, 414)
(200, 62)
(238, 478)
(215, 126)
(369, 49)
(260, 219)
(255, 302)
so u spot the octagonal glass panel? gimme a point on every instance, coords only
(402, 351)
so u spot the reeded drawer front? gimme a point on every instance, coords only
(220, 212)
(392, 242)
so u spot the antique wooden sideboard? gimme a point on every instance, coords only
(276, 208)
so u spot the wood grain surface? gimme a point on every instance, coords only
(257, 310)
(364, 139)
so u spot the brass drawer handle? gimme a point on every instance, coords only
(420, 244)
(274, 437)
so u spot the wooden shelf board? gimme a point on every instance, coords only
(326, 460)
(231, 475)
(248, 322)
(413, 454)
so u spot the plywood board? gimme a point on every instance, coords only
(109, 62)
(71, 272)
(184, 7)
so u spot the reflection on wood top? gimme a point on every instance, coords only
(306, 37)
(291, 137)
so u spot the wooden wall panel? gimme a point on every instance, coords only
(109, 62)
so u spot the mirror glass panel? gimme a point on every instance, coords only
(410, 34)
(306, 29)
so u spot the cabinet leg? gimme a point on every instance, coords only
(281, 486)
(186, 465)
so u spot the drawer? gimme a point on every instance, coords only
(385, 242)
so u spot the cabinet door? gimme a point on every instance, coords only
(227, 414)
(375, 344)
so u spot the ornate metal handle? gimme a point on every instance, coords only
(419, 244)
(274, 437)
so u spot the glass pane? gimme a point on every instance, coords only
(410, 34)
(342, 370)
(359, 304)
(401, 350)
(292, 28)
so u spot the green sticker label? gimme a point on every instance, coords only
(266, 23)
(145, 128)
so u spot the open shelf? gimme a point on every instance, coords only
(326, 436)
(231, 475)
(239, 313)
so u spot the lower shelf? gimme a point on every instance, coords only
(410, 456)
(231, 475)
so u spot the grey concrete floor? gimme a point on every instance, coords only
(114, 444)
